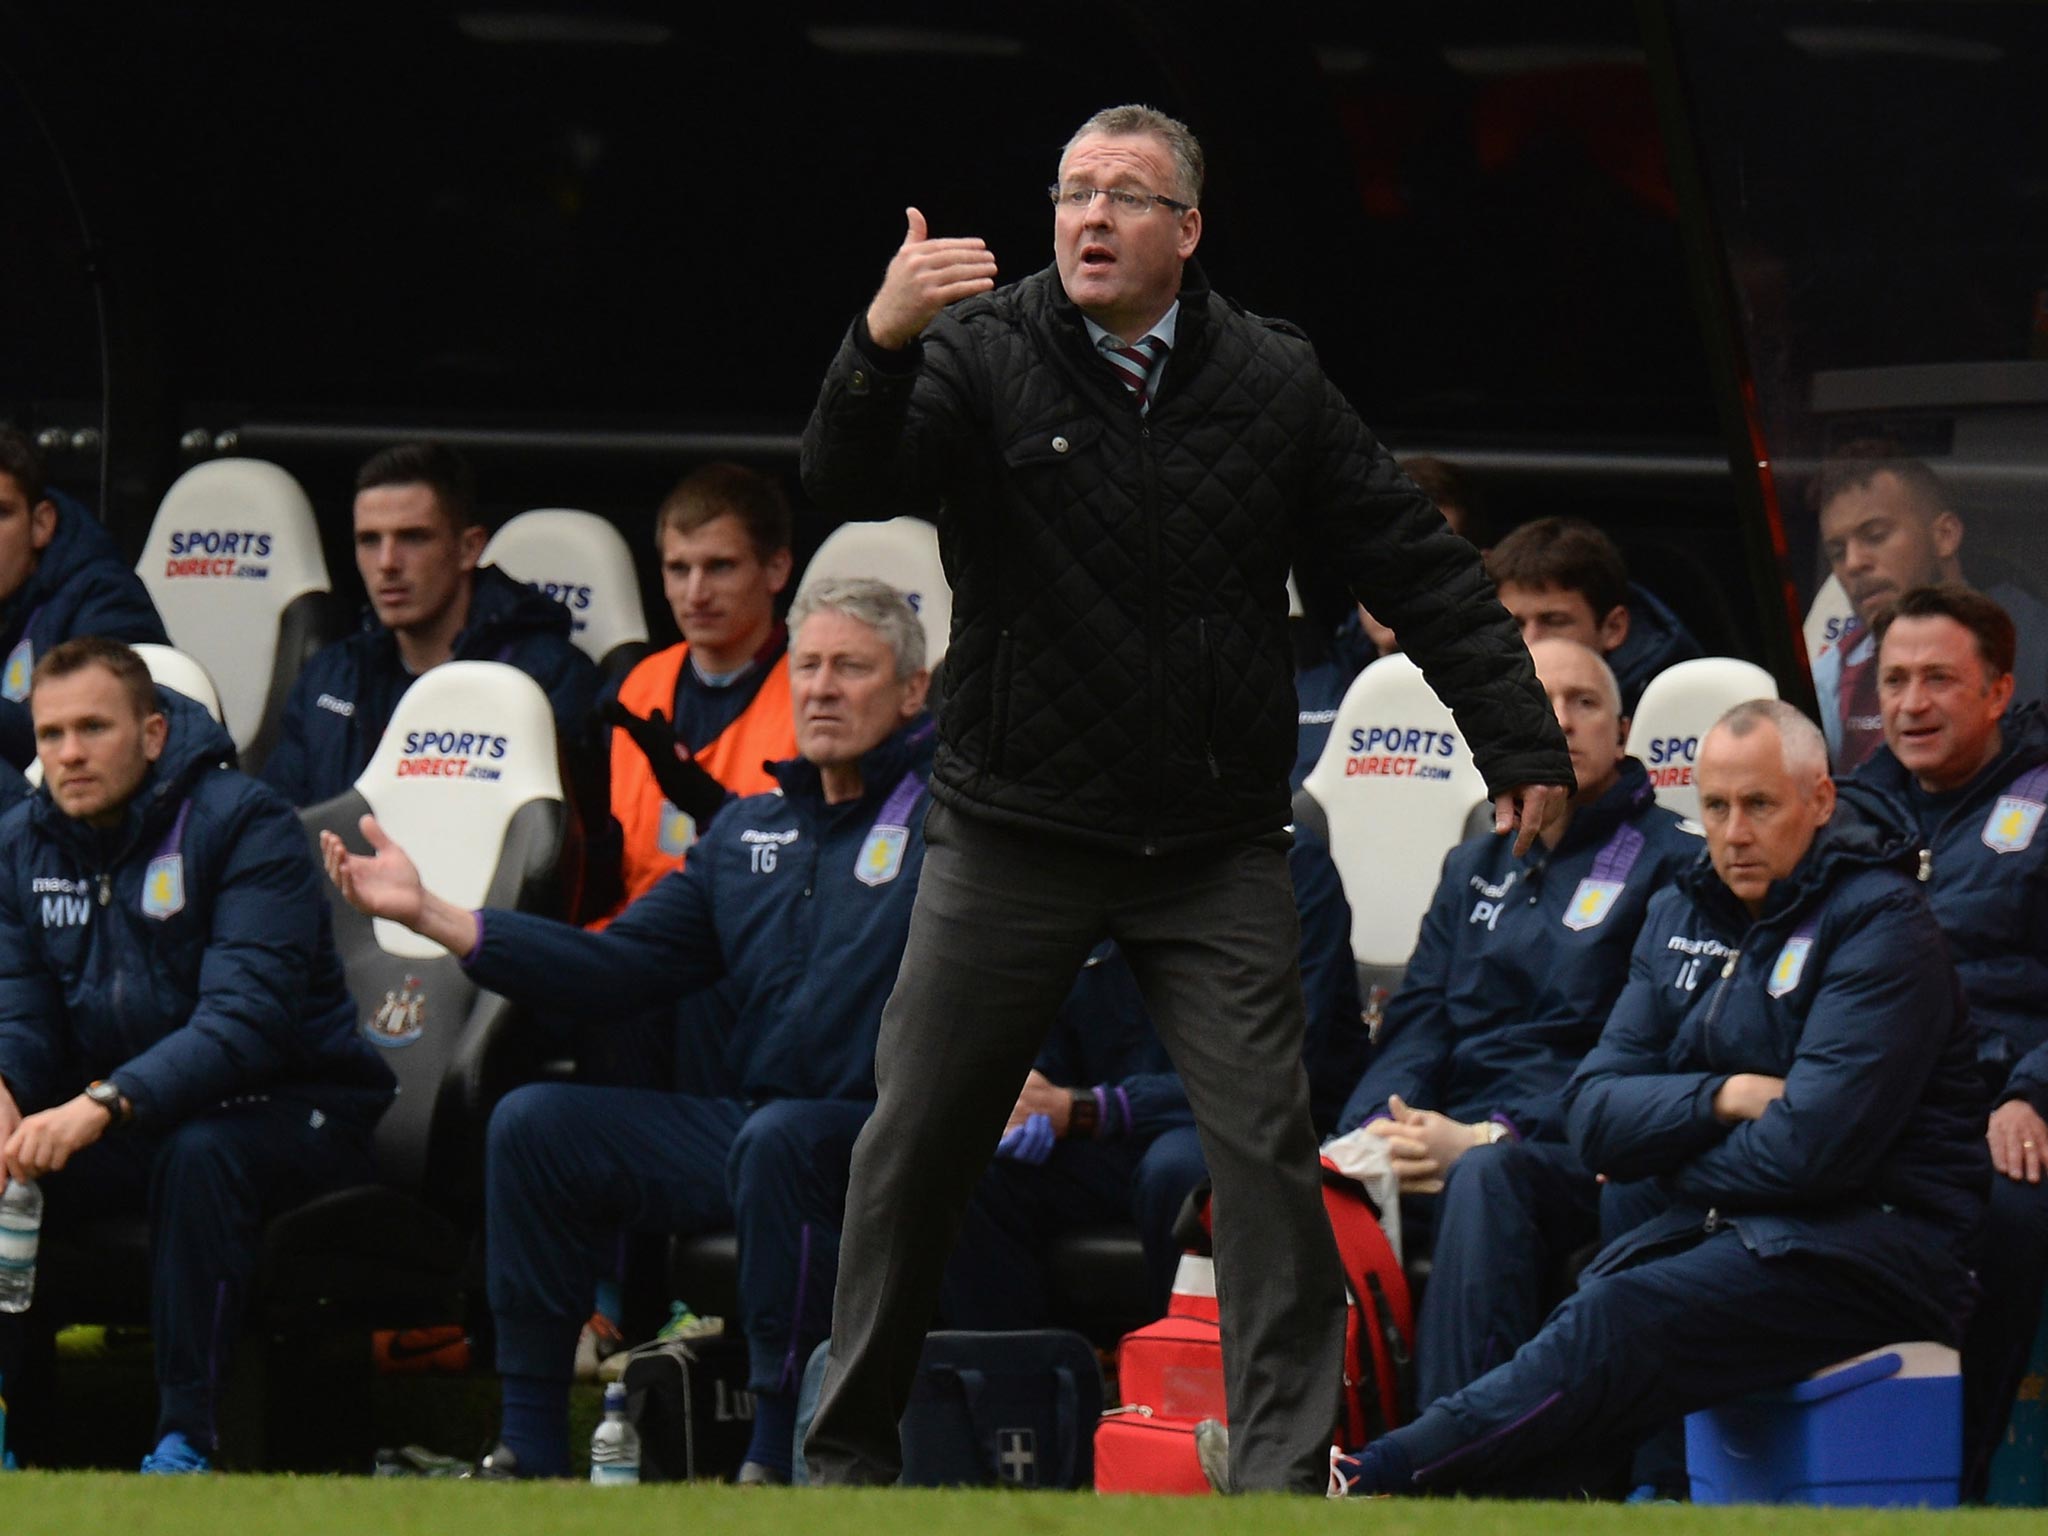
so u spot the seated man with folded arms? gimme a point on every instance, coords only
(800, 900)
(1975, 779)
(1518, 963)
(1792, 1059)
(176, 1035)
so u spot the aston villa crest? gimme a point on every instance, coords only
(21, 663)
(163, 886)
(1791, 965)
(400, 1018)
(1591, 903)
(2010, 827)
(678, 831)
(881, 856)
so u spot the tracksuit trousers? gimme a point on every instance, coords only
(1642, 1347)
(568, 1165)
(208, 1186)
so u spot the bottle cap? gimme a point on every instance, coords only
(615, 1397)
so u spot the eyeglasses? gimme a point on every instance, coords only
(1120, 199)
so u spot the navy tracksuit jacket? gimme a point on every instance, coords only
(80, 586)
(1988, 855)
(801, 910)
(344, 696)
(1842, 1219)
(1519, 961)
(187, 957)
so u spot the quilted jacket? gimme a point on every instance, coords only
(1119, 670)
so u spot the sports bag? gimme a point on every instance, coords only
(1015, 1408)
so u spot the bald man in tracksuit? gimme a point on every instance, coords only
(1792, 1061)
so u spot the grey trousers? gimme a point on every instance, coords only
(1002, 923)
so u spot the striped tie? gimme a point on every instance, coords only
(1134, 366)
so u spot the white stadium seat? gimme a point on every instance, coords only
(1678, 709)
(470, 744)
(1830, 622)
(583, 563)
(234, 566)
(904, 552)
(466, 778)
(180, 673)
(1395, 784)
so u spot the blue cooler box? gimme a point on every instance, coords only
(1883, 1428)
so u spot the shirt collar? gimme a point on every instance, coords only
(1163, 328)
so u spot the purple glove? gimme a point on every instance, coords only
(1031, 1142)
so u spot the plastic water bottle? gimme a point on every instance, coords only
(615, 1447)
(21, 1229)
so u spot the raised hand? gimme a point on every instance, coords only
(383, 883)
(924, 276)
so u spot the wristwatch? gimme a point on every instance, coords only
(109, 1098)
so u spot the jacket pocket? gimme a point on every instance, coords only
(1056, 443)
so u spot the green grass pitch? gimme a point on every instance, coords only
(114, 1504)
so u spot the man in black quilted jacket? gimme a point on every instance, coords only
(1123, 466)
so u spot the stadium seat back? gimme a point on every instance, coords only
(466, 780)
(904, 552)
(1677, 710)
(1830, 621)
(173, 669)
(1395, 783)
(233, 564)
(583, 563)
(469, 744)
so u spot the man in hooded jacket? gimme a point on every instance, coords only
(176, 1034)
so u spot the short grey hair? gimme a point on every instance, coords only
(1804, 749)
(1149, 122)
(874, 603)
